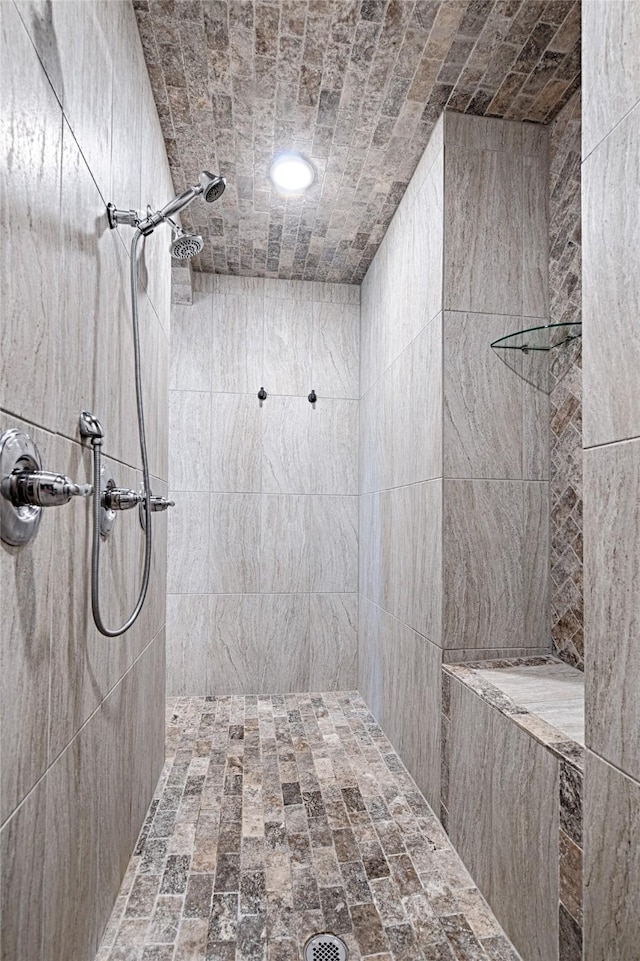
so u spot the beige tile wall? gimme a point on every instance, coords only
(453, 447)
(263, 542)
(82, 717)
(611, 193)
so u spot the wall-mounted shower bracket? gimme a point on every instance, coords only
(126, 218)
(25, 489)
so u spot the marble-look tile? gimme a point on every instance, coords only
(235, 644)
(79, 66)
(487, 186)
(411, 395)
(611, 231)
(188, 544)
(284, 549)
(239, 286)
(483, 537)
(334, 446)
(611, 35)
(412, 554)
(482, 398)
(333, 641)
(535, 233)
(298, 290)
(284, 640)
(189, 642)
(235, 543)
(506, 844)
(370, 679)
(371, 322)
(236, 442)
(286, 455)
(155, 393)
(535, 412)
(237, 340)
(31, 178)
(336, 293)
(612, 862)
(71, 851)
(482, 133)
(25, 649)
(191, 344)
(333, 543)
(335, 350)
(612, 603)
(119, 26)
(431, 154)
(22, 841)
(535, 563)
(288, 335)
(189, 429)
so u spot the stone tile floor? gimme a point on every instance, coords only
(280, 817)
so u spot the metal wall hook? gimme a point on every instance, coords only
(312, 398)
(262, 395)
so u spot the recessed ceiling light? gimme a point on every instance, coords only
(291, 173)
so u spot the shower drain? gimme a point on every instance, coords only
(325, 947)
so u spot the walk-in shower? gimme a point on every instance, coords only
(25, 488)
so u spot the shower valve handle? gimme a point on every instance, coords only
(161, 504)
(41, 488)
(120, 499)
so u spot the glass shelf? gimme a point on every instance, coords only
(540, 338)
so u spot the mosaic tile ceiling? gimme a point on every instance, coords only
(356, 86)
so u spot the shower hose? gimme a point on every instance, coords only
(97, 463)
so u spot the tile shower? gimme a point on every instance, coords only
(412, 536)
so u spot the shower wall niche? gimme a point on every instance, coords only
(82, 732)
(263, 541)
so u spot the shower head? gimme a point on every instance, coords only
(212, 186)
(184, 245)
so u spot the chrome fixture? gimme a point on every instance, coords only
(210, 186)
(26, 489)
(157, 504)
(184, 246)
(325, 947)
(262, 395)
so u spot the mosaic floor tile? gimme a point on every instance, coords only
(278, 818)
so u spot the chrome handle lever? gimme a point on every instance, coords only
(161, 504)
(41, 488)
(120, 499)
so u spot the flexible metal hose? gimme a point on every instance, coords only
(97, 459)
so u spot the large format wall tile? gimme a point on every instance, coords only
(482, 398)
(237, 341)
(612, 863)
(188, 544)
(189, 429)
(334, 447)
(335, 357)
(535, 563)
(284, 637)
(236, 443)
(26, 576)
(483, 588)
(332, 524)
(487, 186)
(370, 678)
(31, 150)
(22, 847)
(333, 642)
(612, 603)
(611, 38)
(191, 344)
(611, 292)
(288, 333)
(233, 659)
(503, 820)
(190, 639)
(234, 544)
(286, 454)
(284, 549)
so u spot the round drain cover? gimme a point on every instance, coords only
(325, 947)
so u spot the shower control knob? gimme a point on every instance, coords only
(41, 488)
(161, 504)
(120, 499)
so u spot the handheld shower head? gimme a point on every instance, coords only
(212, 186)
(184, 245)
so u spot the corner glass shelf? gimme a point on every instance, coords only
(540, 338)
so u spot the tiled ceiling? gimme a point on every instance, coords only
(356, 86)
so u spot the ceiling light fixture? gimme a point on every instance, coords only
(291, 174)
